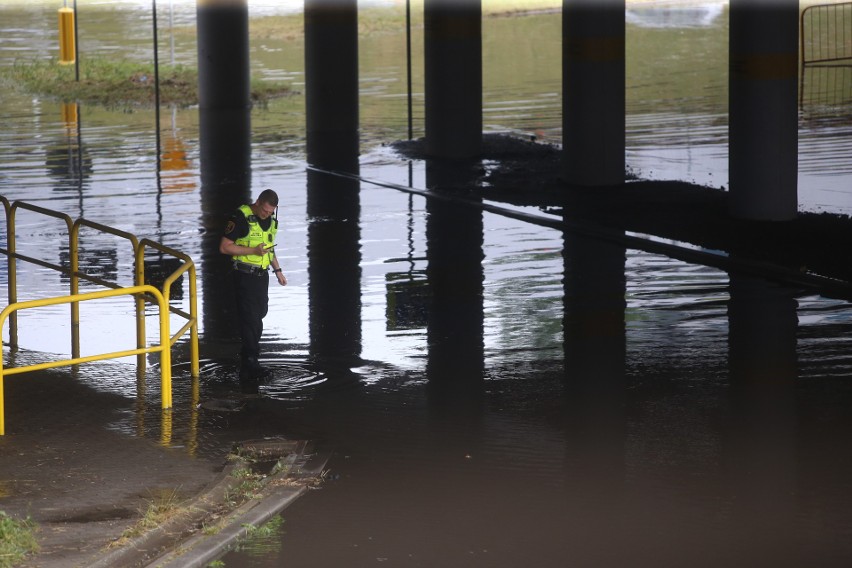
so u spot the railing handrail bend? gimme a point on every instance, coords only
(164, 346)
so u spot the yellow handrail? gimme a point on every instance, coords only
(164, 346)
(192, 319)
(140, 291)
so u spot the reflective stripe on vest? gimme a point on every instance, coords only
(255, 236)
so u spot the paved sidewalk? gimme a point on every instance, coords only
(65, 465)
(86, 465)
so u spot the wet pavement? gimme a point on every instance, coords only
(82, 482)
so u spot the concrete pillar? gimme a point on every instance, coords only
(763, 122)
(453, 77)
(224, 76)
(331, 79)
(225, 166)
(594, 329)
(224, 100)
(593, 324)
(593, 90)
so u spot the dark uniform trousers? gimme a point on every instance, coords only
(252, 296)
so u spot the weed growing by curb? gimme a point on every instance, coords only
(159, 510)
(17, 540)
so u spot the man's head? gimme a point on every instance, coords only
(266, 203)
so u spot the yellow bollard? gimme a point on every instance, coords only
(67, 47)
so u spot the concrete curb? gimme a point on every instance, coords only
(202, 549)
(139, 549)
(180, 542)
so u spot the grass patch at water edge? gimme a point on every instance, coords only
(164, 506)
(17, 540)
(117, 84)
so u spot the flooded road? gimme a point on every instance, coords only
(563, 402)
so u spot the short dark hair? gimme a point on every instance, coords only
(268, 196)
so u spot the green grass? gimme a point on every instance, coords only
(249, 485)
(17, 540)
(116, 84)
(270, 528)
(162, 507)
(261, 539)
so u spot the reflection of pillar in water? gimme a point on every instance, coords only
(595, 422)
(455, 322)
(223, 54)
(453, 77)
(761, 445)
(595, 352)
(454, 239)
(225, 163)
(593, 87)
(334, 266)
(331, 81)
(763, 123)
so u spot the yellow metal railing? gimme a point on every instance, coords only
(191, 317)
(164, 347)
(141, 291)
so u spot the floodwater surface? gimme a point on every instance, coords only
(563, 402)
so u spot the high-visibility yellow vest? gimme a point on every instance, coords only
(255, 236)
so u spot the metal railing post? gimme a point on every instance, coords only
(13, 281)
(192, 317)
(193, 332)
(12, 284)
(74, 255)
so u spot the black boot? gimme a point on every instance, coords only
(248, 382)
(251, 369)
(247, 368)
(261, 373)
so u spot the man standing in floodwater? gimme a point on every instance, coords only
(249, 238)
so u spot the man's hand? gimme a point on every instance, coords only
(281, 278)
